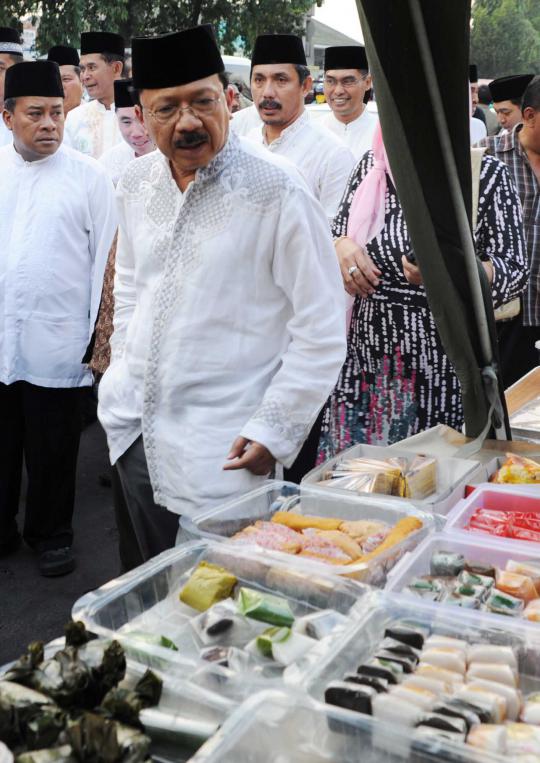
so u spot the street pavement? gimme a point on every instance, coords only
(34, 608)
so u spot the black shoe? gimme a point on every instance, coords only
(11, 545)
(57, 561)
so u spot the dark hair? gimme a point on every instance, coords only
(9, 104)
(224, 79)
(110, 58)
(17, 58)
(531, 96)
(77, 70)
(303, 72)
(484, 95)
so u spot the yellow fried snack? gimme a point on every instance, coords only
(518, 470)
(401, 529)
(304, 521)
(342, 541)
(361, 529)
(207, 585)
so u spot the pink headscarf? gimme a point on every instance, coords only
(366, 214)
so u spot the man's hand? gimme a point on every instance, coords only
(412, 272)
(365, 278)
(246, 454)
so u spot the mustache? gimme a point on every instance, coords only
(268, 103)
(191, 139)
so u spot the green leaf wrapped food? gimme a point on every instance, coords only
(265, 607)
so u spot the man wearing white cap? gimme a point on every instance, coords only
(229, 328)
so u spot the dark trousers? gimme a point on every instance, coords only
(516, 349)
(145, 528)
(43, 426)
(307, 458)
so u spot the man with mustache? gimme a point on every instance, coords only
(347, 84)
(229, 318)
(57, 221)
(92, 127)
(280, 80)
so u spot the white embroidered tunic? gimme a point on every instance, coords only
(116, 159)
(92, 129)
(229, 320)
(357, 135)
(6, 136)
(57, 222)
(324, 161)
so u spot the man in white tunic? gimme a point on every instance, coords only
(347, 87)
(280, 80)
(11, 53)
(92, 127)
(57, 220)
(135, 139)
(229, 316)
(69, 62)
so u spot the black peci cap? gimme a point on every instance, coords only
(10, 40)
(509, 88)
(64, 55)
(33, 78)
(102, 42)
(473, 73)
(278, 49)
(345, 57)
(176, 58)
(122, 93)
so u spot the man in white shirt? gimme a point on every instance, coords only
(347, 87)
(11, 53)
(229, 316)
(68, 60)
(92, 127)
(280, 80)
(136, 141)
(57, 220)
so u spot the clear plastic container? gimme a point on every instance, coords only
(146, 599)
(474, 547)
(285, 727)
(261, 504)
(453, 474)
(513, 498)
(185, 717)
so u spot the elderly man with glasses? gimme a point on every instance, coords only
(229, 326)
(347, 85)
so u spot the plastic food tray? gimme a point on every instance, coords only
(452, 476)
(181, 700)
(223, 522)
(474, 546)
(146, 599)
(498, 498)
(285, 727)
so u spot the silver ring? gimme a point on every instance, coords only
(353, 269)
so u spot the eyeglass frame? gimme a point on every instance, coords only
(180, 109)
(333, 83)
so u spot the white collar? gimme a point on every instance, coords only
(298, 124)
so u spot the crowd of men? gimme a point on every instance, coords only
(204, 294)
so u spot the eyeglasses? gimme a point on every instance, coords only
(346, 82)
(200, 107)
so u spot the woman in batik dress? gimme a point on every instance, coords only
(397, 379)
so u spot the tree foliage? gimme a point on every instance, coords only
(236, 21)
(505, 37)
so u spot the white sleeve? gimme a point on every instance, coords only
(305, 267)
(124, 281)
(103, 222)
(337, 167)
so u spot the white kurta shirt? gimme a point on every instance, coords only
(92, 129)
(245, 120)
(116, 159)
(324, 161)
(6, 136)
(229, 320)
(57, 222)
(357, 135)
